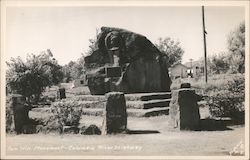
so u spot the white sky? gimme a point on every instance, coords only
(66, 30)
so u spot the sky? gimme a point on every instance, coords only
(67, 30)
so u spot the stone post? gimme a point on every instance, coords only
(61, 93)
(185, 85)
(20, 112)
(115, 114)
(184, 110)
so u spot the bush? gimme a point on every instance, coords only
(67, 112)
(30, 78)
(226, 94)
(227, 100)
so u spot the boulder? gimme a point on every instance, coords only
(143, 66)
(31, 129)
(90, 130)
(70, 129)
(185, 85)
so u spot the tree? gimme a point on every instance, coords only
(172, 49)
(78, 69)
(67, 71)
(31, 77)
(236, 48)
(74, 70)
(219, 63)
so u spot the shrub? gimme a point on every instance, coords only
(226, 93)
(227, 100)
(67, 112)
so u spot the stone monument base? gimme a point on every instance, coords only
(115, 114)
(184, 110)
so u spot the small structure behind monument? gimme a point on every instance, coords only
(178, 71)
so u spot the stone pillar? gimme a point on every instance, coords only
(20, 112)
(115, 114)
(61, 93)
(185, 85)
(184, 110)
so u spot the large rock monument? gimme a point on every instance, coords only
(127, 62)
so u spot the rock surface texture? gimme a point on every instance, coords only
(115, 114)
(143, 66)
(20, 112)
(184, 110)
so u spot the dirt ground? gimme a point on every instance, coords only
(214, 139)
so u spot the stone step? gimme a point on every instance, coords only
(128, 97)
(88, 104)
(92, 111)
(147, 96)
(129, 104)
(156, 103)
(149, 112)
(88, 98)
(100, 105)
(148, 104)
(43, 116)
(130, 112)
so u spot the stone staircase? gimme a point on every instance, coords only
(138, 105)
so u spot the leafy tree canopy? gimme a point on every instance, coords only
(172, 49)
(236, 48)
(218, 63)
(31, 77)
(74, 70)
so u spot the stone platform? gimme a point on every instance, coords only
(138, 105)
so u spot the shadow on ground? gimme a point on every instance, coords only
(214, 125)
(142, 131)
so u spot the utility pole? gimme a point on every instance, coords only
(191, 65)
(205, 47)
